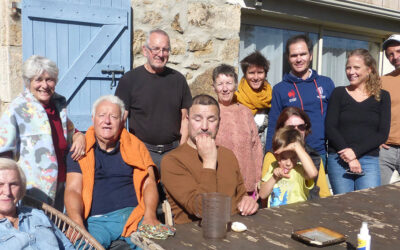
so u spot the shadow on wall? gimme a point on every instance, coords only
(203, 84)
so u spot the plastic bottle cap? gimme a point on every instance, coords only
(364, 228)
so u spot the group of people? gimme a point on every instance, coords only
(254, 143)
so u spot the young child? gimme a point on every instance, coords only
(290, 178)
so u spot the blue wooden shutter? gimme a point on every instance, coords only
(87, 39)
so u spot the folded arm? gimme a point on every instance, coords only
(78, 145)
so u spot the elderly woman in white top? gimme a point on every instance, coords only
(35, 131)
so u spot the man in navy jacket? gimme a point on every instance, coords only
(302, 87)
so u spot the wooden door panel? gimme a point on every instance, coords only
(84, 38)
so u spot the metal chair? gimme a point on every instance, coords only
(82, 239)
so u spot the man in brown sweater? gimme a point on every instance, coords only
(199, 166)
(389, 155)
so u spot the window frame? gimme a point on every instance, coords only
(298, 24)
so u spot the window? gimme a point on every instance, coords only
(271, 41)
(334, 55)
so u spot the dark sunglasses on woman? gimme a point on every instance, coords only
(300, 127)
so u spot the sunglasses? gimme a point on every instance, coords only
(301, 127)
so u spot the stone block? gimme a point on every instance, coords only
(225, 19)
(141, 2)
(3, 22)
(139, 39)
(10, 69)
(230, 50)
(15, 71)
(201, 48)
(175, 25)
(152, 17)
(139, 61)
(178, 46)
(3, 106)
(10, 25)
(193, 66)
(188, 76)
(175, 60)
(3, 32)
(3, 68)
(15, 34)
(203, 84)
(218, 17)
(198, 14)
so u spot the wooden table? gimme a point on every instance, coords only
(271, 228)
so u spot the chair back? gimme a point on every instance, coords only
(82, 239)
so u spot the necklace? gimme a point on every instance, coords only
(14, 222)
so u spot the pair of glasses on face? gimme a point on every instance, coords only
(301, 127)
(157, 50)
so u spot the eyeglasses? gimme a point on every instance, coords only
(157, 50)
(301, 127)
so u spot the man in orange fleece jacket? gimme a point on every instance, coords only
(389, 155)
(112, 188)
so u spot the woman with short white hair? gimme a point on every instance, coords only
(24, 227)
(237, 129)
(35, 131)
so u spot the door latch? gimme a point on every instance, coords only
(112, 72)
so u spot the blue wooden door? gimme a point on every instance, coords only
(88, 39)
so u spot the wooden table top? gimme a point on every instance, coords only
(271, 228)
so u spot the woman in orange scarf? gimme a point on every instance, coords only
(254, 91)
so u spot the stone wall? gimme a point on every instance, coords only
(10, 53)
(203, 34)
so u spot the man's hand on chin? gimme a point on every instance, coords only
(207, 150)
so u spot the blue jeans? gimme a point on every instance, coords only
(342, 182)
(108, 227)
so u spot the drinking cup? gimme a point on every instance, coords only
(216, 215)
